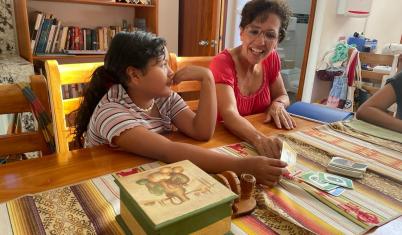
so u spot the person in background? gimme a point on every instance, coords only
(374, 110)
(248, 79)
(128, 104)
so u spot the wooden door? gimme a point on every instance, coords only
(306, 49)
(201, 27)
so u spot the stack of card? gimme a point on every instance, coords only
(330, 183)
(346, 167)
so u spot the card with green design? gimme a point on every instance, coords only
(335, 179)
(313, 179)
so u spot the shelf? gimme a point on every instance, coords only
(66, 9)
(56, 57)
(95, 2)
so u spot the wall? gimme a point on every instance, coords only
(168, 21)
(385, 21)
(384, 24)
(85, 15)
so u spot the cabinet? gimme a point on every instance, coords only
(81, 13)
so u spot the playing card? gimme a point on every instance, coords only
(289, 155)
(312, 178)
(335, 179)
(346, 172)
(336, 192)
(347, 164)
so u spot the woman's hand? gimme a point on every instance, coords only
(268, 146)
(281, 117)
(192, 73)
(267, 171)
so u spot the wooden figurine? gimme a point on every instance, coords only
(243, 187)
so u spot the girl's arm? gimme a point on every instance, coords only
(200, 126)
(374, 110)
(139, 140)
(241, 127)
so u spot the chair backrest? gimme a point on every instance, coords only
(189, 90)
(374, 77)
(67, 74)
(58, 76)
(12, 101)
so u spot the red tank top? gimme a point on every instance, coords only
(224, 71)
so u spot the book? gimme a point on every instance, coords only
(178, 197)
(101, 45)
(50, 38)
(36, 19)
(88, 39)
(94, 37)
(318, 113)
(57, 37)
(44, 34)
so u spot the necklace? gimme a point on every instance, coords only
(147, 109)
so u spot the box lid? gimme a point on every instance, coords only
(174, 192)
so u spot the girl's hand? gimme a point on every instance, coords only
(267, 171)
(278, 113)
(192, 73)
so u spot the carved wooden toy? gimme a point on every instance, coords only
(243, 187)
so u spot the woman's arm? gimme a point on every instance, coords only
(277, 110)
(278, 91)
(200, 126)
(374, 110)
(241, 127)
(139, 140)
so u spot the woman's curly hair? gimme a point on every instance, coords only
(260, 9)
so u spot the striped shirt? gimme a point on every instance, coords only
(116, 113)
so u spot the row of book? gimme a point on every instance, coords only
(48, 36)
(70, 91)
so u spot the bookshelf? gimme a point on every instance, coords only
(80, 13)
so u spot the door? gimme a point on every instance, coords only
(201, 27)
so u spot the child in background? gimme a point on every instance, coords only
(374, 110)
(128, 104)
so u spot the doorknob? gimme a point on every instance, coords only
(213, 43)
(203, 43)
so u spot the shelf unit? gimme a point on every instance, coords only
(23, 7)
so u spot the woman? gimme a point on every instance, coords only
(248, 78)
(129, 104)
(374, 110)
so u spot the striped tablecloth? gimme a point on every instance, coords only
(90, 207)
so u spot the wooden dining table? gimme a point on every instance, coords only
(56, 170)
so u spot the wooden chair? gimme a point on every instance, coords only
(65, 74)
(13, 101)
(376, 78)
(189, 90)
(57, 76)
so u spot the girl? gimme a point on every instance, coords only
(128, 104)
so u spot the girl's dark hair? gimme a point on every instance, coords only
(260, 10)
(134, 49)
